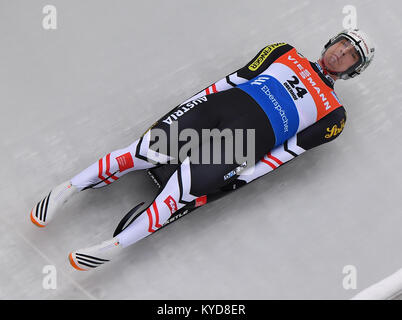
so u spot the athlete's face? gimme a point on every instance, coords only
(340, 56)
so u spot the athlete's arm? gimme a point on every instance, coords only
(263, 59)
(325, 130)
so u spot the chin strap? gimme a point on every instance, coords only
(326, 72)
(323, 70)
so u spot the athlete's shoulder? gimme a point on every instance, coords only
(263, 59)
(325, 130)
(269, 54)
(334, 122)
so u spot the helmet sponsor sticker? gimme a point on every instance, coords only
(361, 39)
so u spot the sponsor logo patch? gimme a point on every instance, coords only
(200, 201)
(183, 109)
(334, 131)
(171, 203)
(235, 171)
(176, 217)
(125, 161)
(264, 55)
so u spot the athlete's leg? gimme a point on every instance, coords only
(110, 168)
(174, 196)
(177, 192)
(137, 156)
(197, 115)
(101, 173)
(188, 182)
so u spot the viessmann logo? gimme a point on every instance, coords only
(305, 74)
(264, 55)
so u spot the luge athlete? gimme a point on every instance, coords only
(289, 101)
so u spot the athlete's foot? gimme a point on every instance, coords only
(46, 209)
(93, 257)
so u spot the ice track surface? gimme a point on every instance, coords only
(71, 95)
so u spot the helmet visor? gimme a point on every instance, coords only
(348, 47)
